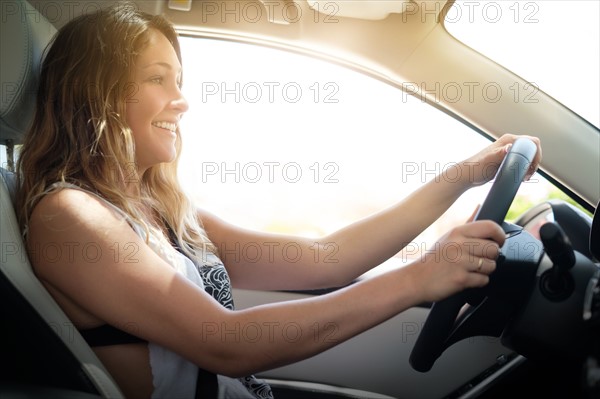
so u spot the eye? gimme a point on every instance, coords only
(156, 79)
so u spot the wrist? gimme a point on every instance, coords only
(415, 281)
(460, 176)
(467, 172)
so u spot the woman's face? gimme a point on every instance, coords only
(157, 105)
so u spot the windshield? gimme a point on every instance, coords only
(554, 44)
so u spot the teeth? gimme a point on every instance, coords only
(166, 125)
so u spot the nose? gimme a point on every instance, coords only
(179, 102)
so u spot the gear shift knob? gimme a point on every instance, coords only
(559, 250)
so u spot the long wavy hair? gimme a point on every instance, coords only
(79, 133)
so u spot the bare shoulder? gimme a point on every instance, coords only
(100, 269)
(73, 227)
(62, 208)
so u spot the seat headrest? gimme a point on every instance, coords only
(24, 34)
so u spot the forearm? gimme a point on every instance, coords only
(278, 334)
(273, 335)
(257, 260)
(369, 242)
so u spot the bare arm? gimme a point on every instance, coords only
(258, 260)
(162, 306)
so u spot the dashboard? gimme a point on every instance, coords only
(576, 224)
(560, 319)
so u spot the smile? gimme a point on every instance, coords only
(172, 127)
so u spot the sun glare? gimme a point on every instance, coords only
(287, 143)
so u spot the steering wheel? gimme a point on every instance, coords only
(442, 327)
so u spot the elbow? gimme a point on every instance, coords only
(240, 366)
(228, 366)
(238, 346)
(233, 370)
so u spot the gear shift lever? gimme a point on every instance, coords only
(557, 284)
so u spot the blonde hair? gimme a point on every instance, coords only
(79, 134)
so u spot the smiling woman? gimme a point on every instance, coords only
(148, 324)
(316, 175)
(157, 105)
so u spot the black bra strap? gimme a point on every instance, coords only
(106, 335)
(207, 386)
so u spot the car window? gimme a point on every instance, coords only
(287, 143)
(552, 44)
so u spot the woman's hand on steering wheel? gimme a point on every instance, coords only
(482, 167)
(462, 258)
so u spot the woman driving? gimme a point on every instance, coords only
(134, 264)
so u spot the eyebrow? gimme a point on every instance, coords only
(160, 63)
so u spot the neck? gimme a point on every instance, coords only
(133, 182)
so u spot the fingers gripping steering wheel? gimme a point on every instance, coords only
(438, 332)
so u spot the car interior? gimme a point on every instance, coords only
(533, 332)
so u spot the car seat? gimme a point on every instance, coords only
(42, 354)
